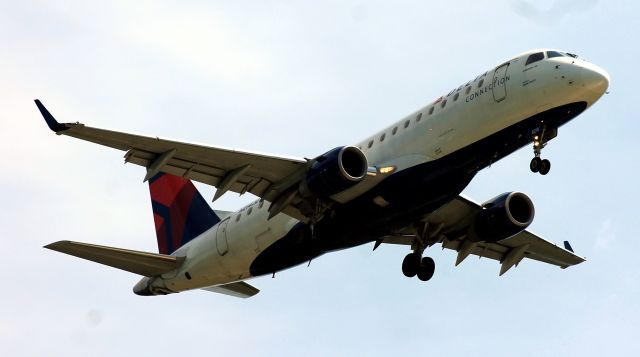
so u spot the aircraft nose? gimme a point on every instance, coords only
(595, 79)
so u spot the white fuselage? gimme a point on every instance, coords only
(495, 100)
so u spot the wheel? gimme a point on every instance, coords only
(545, 166)
(410, 265)
(427, 268)
(535, 164)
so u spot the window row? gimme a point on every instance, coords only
(441, 100)
(260, 205)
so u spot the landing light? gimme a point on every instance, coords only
(387, 169)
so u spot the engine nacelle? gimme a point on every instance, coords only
(150, 287)
(504, 216)
(335, 171)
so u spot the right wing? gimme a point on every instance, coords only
(266, 176)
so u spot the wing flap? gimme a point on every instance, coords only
(239, 289)
(142, 263)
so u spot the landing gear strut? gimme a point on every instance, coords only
(537, 164)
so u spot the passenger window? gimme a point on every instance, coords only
(468, 90)
(261, 204)
(551, 54)
(406, 124)
(249, 211)
(534, 58)
(444, 102)
(394, 131)
(419, 117)
(455, 97)
(430, 110)
(382, 137)
(370, 144)
(238, 217)
(481, 83)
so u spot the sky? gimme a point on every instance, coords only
(298, 78)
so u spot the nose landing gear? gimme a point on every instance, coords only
(537, 164)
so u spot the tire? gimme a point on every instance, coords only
(545, 167)
(411, 265)
(427, 268)
(535, 164)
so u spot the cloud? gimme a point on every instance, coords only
(554, 14)
(204, 41)
(606, 234)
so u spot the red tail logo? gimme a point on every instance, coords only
(180, 213)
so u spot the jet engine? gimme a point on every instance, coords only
(148, 287)
(334, 171)
(504, 216)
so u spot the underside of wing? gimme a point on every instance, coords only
(449, 225)
(266, 176)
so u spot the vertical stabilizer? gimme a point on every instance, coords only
(180, 213)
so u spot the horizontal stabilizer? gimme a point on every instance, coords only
(239, 289)
(142, 263)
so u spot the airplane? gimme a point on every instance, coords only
(401, 185)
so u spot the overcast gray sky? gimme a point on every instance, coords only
(297, 78)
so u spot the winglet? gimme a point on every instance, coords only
(51, 121)
(567, 246)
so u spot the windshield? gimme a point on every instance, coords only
(534, 58)
(551, 54)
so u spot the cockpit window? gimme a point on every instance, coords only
(534, 58)
(551, 54)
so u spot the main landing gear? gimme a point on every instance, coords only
(414, 264)
(542, 166)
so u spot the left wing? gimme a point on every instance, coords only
(448, 225)
(266, 176)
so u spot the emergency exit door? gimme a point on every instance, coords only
(221, 237)
(500, 79)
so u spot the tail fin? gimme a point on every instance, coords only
(180, 213)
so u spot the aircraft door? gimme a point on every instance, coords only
(221, 237)
(499, 86)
